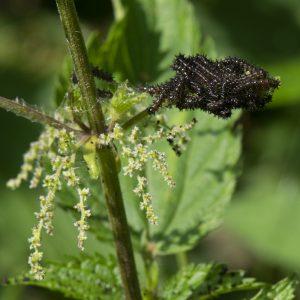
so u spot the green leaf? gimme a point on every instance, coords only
(63, 81)
(123, 100)
(87, 278)
(207, 281)
(205, 177)
(141, 47)
(283, 290)
(147, 36)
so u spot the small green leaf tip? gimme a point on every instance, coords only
(124, 99)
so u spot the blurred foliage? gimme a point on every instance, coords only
(264, 214)
(266, 207)
(283, 290)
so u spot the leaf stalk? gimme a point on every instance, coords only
(20, 108)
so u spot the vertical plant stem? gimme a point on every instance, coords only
(69, 19)
(182, 260)
(109, 175)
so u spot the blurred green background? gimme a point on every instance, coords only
(261, 232)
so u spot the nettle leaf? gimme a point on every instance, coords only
(146, 36)
(123, 100)
(63, 81)
(205, 177)
(85, 278)
(283, 290)
(133, 57)
(207, 281)
(140, 47)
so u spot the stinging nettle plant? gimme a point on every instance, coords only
(108, 145)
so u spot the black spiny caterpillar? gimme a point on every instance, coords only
(214, 86)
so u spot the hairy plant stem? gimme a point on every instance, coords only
(182, 260)
(20, 108)
(109, 174)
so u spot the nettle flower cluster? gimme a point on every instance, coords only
(58, 147)
(51, 160)
(137, 150)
